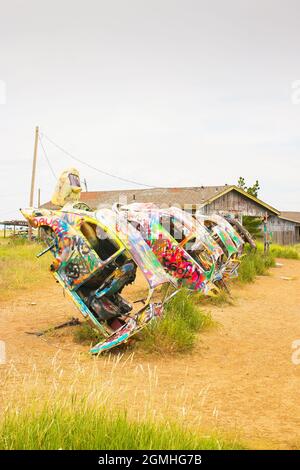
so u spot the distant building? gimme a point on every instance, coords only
(209, 199)
(288, 228)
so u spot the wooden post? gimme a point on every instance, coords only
(39, 203)
(4, 231)
(36, 141)
(266, 234)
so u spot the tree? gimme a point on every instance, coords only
(253, 190)
(253, 225)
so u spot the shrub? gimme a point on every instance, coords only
(176, 331)
(254, 264)
(253, 225)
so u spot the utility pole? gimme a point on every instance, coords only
(36, 141)
(85, 184)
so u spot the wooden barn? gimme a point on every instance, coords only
(209, 199)
(286, 228)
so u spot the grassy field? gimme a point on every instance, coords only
(78, 424)
(61, 420)
(19, 268)
(279, 251)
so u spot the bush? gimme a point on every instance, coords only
(176, 331)
(254, 264)
(247, 271)
(253, 225)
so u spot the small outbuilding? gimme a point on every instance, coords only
(286, 228)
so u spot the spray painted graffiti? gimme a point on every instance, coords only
(97, 254)
(94, 270)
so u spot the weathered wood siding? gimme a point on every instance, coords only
(235, 203)
(284, 232)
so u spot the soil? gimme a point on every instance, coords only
(240, 378)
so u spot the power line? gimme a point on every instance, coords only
(48, 161)
(47, 158)
(93, 167)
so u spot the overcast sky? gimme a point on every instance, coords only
(164, 92)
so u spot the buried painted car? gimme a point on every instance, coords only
(189, 271)
(95, 261)
(242, 231)
(232, 253)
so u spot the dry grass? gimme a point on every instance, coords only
(95, 411)
(221, 299)
(19, 268)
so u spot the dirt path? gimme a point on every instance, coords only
(240, 378)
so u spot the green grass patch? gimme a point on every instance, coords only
(288, 252)
(255, 264)
(19, 268)
(81, 425)
(86, 334)
(280, 251)
(178, 328)
(176, 331)
(218, 300)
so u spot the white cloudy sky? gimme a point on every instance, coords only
(165, 92)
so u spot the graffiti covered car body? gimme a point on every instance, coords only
(234, 235)
(95, 258)
(242, 231)
(195, 239)
(189, 272)
(231, 249)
